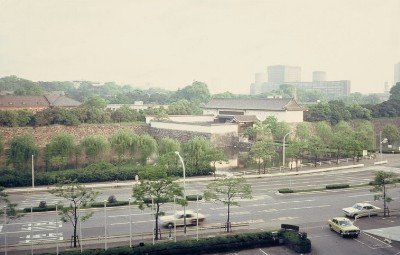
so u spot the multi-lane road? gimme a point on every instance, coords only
(266, 210)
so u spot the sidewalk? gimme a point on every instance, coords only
(243, 173)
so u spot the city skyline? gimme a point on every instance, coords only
(222, 43)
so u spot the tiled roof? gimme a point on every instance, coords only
(272, 104)
(63, 101)
(35, 101)
(22, 101)
(245, 118)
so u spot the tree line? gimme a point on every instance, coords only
(122, 148)
(313, 142)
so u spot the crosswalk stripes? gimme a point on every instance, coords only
(48, 226)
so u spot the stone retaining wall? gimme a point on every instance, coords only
(43, 135)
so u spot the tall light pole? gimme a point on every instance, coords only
(105, 224)
(130, 224)
(184, 191)
(57, 227)
(5, 231)
(284, 147)
(33, 173)
(380, 143)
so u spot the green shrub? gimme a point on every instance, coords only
(42, 209)
(294, 241)
(193, 197)
(202, 246)
(101, 204)
(285, 190)
(337, 186)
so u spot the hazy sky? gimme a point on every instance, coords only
(170, 43)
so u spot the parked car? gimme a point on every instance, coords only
(361, 209)
(191, 219)
(344, 227)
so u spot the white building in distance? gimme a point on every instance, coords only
(284, 109)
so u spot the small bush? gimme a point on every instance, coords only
(285, 190)
(193, 197)
(337, 186)
(42, 204)
(297, 241)
(112, 199)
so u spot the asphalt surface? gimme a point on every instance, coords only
(266, 211)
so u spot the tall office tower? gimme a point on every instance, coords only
(281, 74)
(386, 87)
(396, 73)
(319, 76)
(260, 78)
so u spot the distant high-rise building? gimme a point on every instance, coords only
(291, 75)
(396, 73)
(283, 74)
(319, 76)
(386, 87)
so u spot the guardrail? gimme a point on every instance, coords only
(148, 235)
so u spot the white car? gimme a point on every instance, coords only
(191, 219)
(361, 209)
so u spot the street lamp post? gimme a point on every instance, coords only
(284, 147)
(184, 190)
(380, 143)
(130, 224)
(105, 224)
(5, 232)
(33, 173)
(57, 228)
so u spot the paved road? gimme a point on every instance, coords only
(267, 210)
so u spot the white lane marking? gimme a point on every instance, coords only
(124, 223)
(42, 238)
(370, 236)
(1, 228)
(235, 213)
(269, 204)
(263, 252)
(126, 215)
(363, 195)
(296, 208)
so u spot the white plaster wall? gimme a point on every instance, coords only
(210, 111)
(287, 116)
(185, 118)
(209, 129)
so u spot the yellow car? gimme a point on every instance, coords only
(344, 227)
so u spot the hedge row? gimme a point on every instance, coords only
(41, 209)
(99, 172)
(285, 190)
(202, 246)
(337, 186)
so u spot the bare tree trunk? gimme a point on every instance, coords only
(228, 221)
(158, 209)
(75, 225)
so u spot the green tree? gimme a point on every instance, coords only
(341, 138)
(391, 132)
(303, 130)
(295, 151)
(262, 152)
(59, 150)
(395, 92)
(226, 191)
(381, 182)
(124, 114)
(94, 147)
(156, 188)
(10, 207)
(21, 150)
(123, 142)
(215, 155)
(78, 196)
(195, 150)
(318, 112)
(324, 131)
(316, 148)
(197, 92)
(168, 145)
(146, 147)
